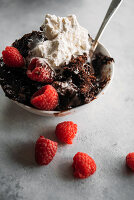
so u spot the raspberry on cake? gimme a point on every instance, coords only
(66, 131)
(83, 165)
(45, 98)
(39, 70)
(12, 57)
(45, 150)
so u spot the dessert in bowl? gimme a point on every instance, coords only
(49, 72)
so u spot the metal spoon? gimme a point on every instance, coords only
(111, 11)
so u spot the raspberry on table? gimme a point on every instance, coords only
(83, 165)
(130, 161)
(45, 150)
(12, 57)
(66, 131)
(39, 70)
(46, 98)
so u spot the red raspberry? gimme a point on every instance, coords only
(130, 161)
(83, 165)
(39, 70)
(12, 57)
(45, 98)
(45, 150)
(66, 131)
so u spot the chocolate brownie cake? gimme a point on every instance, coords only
(76, 79)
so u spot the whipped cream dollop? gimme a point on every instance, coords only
(65, 38)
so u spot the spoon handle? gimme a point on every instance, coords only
(111, 10)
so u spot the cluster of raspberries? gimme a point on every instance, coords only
(45, 150)
(38, 70)
(83, 164)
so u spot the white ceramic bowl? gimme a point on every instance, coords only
(107, 72)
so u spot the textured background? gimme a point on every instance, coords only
(105, 129)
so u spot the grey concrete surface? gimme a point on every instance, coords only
(105, 129)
